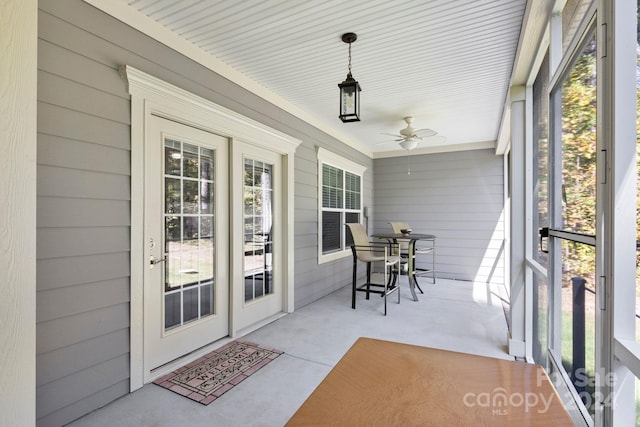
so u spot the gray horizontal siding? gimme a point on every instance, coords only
(74, 183)
(73, 329)
(74, 212)
(84, 404)
(68, 242)
(67, 63)
(81, 97)
(456, 196)
(65, 361)
(64, 392)
(70, 271)
(83, 223)
(84, 199)
(72, 300)
(73, 154)
(64, 122)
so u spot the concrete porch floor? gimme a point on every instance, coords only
(453, 315)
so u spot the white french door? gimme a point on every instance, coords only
(257, 238)
(189, 256)
(186, 240)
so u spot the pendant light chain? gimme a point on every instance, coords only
(349, 58)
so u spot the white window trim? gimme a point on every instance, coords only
(332, 159)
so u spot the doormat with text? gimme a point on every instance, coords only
(212, 375)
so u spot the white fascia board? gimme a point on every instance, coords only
(534, 28)
(436, 149)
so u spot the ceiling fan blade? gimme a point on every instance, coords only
(389, 141)
(425, 133)
(392, 134)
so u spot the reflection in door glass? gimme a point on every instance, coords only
(579, 143)
(189, 238)
(574, 107)
(572, 14)
(258, 236)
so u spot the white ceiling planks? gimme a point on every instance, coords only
(447, 63)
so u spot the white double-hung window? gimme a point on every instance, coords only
(339, 201)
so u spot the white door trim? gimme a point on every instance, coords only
(150, 95)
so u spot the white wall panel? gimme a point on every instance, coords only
(18, 50)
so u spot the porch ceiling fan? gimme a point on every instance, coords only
(409, 137)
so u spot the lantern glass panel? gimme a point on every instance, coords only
(349, 101)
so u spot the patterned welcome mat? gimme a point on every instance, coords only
(212, 375)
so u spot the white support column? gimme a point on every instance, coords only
(617, 26)
(18, 99)
(520, 294)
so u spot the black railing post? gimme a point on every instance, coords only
(578, 365)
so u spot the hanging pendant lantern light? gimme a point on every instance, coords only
(349, 89)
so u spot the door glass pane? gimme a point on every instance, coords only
(206, 303)
(190, 304)
(189, 239)
(190, 161)
(540, 188)
(573, 13)
(578, 318)
(540, 207)
(206, 164)
(190, 196)
(579, 143)
(172, 312)
(258, 236)
(206, 198)
(172, 156)
(574, 115)
(172, 195)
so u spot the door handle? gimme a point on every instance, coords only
(153, 261)
(544, 234)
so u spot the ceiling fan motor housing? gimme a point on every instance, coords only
(408, 132)
(409, 137)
